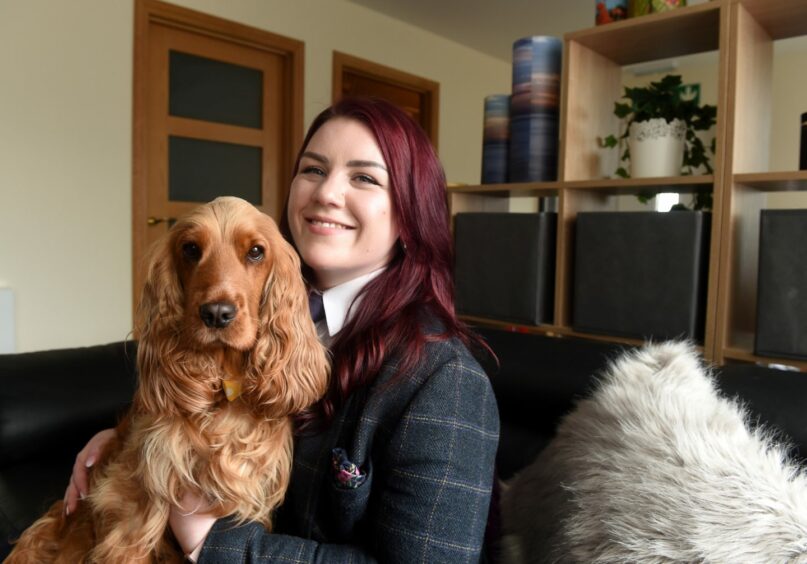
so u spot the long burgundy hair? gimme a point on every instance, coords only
(418, 279)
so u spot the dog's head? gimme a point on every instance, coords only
(224, 292)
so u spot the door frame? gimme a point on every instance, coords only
(342, 62)
(148, 12)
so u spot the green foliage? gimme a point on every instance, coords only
(662, 99)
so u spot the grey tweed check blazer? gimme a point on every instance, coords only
(426, 441)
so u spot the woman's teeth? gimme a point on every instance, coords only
(328, 224)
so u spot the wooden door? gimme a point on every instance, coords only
(217, 112)
(418, 97)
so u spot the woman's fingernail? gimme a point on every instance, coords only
(90, 462)
(66, 511)
(82, 495)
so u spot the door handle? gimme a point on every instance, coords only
(155, 220)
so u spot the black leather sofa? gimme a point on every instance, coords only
(540, 378)
(52, 402)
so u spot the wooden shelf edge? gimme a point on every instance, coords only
(656, 182)
(504, 189)
(552, 331)
(747, 356)
(674, 183)
(514, 327)
(606, 338)
(781, 181)
(632, 341)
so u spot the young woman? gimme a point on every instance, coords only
(396, 463)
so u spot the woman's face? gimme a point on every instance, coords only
(340, 210)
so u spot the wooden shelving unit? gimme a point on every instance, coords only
(742, 32)
(754, 26)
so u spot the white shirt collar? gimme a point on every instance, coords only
(337, 302)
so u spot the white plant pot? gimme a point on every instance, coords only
(656, 148)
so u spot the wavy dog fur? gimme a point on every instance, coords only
(181, 433)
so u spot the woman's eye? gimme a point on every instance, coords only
(191, 251)
(313, 170)
(366, 179)
(255, 253)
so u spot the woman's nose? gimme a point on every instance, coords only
(331, 191)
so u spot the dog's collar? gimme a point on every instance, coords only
(232, 389)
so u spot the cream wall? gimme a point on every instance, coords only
(65, 139)
(65, 167)
(790, 101)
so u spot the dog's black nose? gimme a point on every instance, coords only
(217, 315)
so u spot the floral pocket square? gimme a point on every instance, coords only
(346, 474)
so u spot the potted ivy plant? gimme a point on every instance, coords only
(660, 136)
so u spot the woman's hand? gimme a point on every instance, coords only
(79, 479)
(191, 522)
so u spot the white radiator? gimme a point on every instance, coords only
(7, 344)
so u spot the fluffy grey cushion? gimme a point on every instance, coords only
(657, 467)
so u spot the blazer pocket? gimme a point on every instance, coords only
(349, 492)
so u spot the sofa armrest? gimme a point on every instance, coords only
(775, 398)
(50, 397)
(51, 403)
(537, 382)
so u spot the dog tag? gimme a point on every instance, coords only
(232, 389)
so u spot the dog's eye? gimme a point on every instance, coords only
(255, 254)
(191, 251)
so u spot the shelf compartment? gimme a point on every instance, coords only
(737, 307)
(781, 19)
(683, 31)
(495, 197)
(593, 77)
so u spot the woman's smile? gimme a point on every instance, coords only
(326, 225)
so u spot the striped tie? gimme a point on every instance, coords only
(315, 306)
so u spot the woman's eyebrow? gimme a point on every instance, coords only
(315, 156)
(354, 163)
(367, 163)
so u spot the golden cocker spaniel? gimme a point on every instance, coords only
(227, 354)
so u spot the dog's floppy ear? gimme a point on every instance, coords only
(162, 297)
(289, 365)
(166, 384)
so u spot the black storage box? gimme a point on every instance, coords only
(782, 285)
(641, 274)
(505, 265)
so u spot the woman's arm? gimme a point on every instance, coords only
(431, 485)
(436, 497)
(86, 459)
